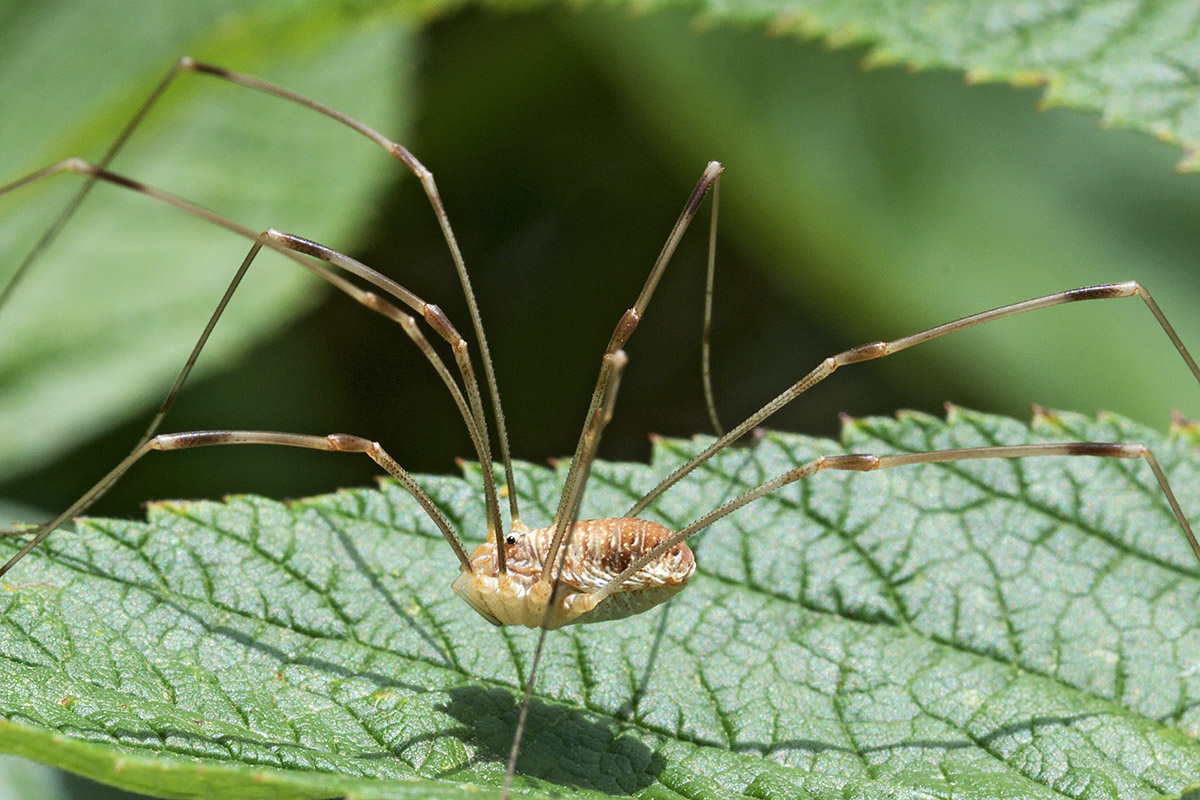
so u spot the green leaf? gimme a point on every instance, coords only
(884, 202)
(975, 630)
(106, 319)
(25, 780)
(120, 344)
(1133, 63)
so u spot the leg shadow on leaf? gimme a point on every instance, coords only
(371, 573)
(562, 745)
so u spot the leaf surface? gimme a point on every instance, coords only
(975, 630)
(885, 202)
(1134, 63)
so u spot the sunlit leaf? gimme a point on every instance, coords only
(978, 630)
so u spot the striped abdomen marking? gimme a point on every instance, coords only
(600, 549)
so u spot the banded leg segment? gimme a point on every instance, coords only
(440, 323)
(611, 370)
(428, 185)
(573, 488)
(333, 443)
(868, 463)
(874, 350)
(313, 257)
(610, 378)
(394, 149)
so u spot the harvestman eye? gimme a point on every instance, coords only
(572, 571)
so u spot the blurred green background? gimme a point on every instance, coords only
(857, 205)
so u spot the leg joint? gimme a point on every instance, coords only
(864, 352)
(853, 462)
(440, 323)
(625, 328)
(346, 443)
(1104, 291)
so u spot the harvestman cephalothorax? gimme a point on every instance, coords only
(571, 572)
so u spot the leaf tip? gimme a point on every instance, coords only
(1190, 161)
(1045, 420)
(1027, 79)
(1181, 425)
(1021, 79)
(470, 470)
(788, 22)
(1049, 103)
(976, 75)
(841, 36)
(879, 57)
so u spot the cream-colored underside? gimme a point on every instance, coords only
(503, 601)
(599, 551)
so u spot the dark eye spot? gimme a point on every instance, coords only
(511, 539)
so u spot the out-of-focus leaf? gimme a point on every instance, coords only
(21, 779)
(888, 202)
(25, 780)
(975, 630)
(107, 317)
(1134, 63)
(992, 235)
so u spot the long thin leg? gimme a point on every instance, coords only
(610, 373)
(610, 377)
(334, 443)
(401, 154)
(368, 299)
(600, 411)
(73, 204)
(625, 328)
(441, 324)
(295, 248)
(706, 339)
(869, 352)
(867, 463)
(396, 150)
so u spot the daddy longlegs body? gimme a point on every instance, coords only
(572, 571)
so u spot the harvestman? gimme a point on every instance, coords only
(574, 571)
